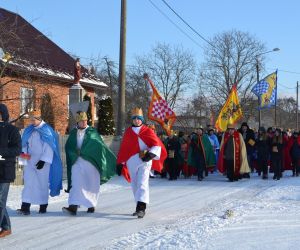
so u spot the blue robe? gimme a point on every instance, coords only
(49, 136)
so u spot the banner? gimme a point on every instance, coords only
(266, 91)
(231, 111)
(159, 109)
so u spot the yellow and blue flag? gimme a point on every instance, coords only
(266, 91)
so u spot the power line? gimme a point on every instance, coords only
(285, 86)
(186, 23)
(170, 20)
(286, 71)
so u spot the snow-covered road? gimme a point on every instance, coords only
(183, 214)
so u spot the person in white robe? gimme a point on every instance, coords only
(36, 171)
(89, 163)
(140, 148)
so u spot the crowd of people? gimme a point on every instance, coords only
(235, 154)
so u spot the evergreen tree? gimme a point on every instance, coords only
(106, 125)
(89, 111)
(47, 110)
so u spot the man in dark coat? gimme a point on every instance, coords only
(249, 139)
(10, 147)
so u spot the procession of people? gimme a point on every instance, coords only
(235, 154)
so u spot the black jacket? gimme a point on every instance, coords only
(10, 147)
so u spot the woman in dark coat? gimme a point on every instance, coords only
(262, 147)
(276, 149)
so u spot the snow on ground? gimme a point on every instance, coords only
(183, 214)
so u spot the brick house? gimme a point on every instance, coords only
(36, 73)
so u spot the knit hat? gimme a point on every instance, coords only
(262, 129)
(244, 124)
(4, 112)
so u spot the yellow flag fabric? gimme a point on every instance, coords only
(231, 112)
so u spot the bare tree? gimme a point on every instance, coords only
(231, 59)
(172, 70)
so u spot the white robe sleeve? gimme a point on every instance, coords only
(155, 150)
(47, 155)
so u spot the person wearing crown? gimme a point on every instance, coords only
(43, 170)
(89, 163)
(140, 151)
(233, 155)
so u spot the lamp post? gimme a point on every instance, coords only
(257, 78)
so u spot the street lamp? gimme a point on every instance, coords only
(257, 78)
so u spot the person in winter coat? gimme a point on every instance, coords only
(295, 154)
(262, 147)
(276, 151)
(174, 158)
(10, 147)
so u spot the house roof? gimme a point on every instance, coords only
(34, 52)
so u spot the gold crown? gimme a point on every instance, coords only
(230, 125)
(81, 116)
(136, 112)
(35, 113)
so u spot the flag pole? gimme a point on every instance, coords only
(275, 118)
(258, 98)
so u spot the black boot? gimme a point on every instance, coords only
(71, 209)
(43, 208)
(136, 210)
(141, 207)
(25, 209)
(91, 210)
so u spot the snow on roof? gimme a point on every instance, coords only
(27, 66)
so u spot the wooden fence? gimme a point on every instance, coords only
(111, 141)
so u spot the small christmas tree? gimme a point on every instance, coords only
(89, 111)
(106, 125)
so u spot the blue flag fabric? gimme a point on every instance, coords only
(48, 135)
(266, 91)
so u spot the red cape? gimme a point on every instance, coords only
(130, 147)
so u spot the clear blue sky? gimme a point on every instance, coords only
(91, 28)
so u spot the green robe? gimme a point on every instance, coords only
(210, 159)
(93, 150)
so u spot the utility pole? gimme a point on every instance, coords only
(257, 79)
(297, 105)
(122, 72)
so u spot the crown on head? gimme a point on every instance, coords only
(136, 112)
(36, 113)
(81, 116)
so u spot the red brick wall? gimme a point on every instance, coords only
(59, 91)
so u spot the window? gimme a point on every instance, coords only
(27, 101)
